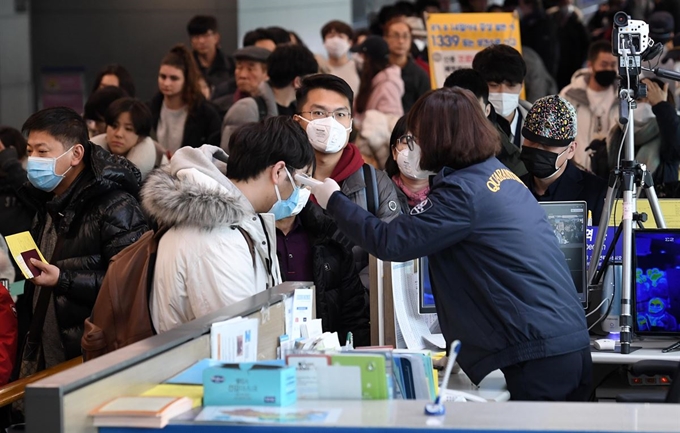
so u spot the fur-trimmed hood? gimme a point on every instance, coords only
(194, 191)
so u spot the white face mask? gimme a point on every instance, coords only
(409, 163)
(336, 46)
(303, 198)
(504, 103)
(327, 135)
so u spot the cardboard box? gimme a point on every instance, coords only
(249, 384)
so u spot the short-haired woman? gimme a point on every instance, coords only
(500, 282)
(128, 126)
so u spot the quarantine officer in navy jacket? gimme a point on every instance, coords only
(501, 285)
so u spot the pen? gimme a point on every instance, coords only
(349, 343)
(437, 408)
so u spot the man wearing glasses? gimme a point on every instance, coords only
(324, 104)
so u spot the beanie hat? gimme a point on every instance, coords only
(551, 122)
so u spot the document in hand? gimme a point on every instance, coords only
(148, 412)
(234, 340)
(23, 249)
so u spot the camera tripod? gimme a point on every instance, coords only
(629, 178)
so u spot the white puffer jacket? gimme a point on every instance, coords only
(204, 262)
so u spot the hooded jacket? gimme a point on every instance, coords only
(589, 128)
(96, 218)
(204, 262)
(387, 89)
(143, 155)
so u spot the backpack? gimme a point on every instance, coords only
(121, 314)
(372, 194)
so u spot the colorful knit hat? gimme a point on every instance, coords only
(551, 122)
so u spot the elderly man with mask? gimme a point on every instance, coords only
(549, 144)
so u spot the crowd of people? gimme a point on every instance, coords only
(213, 161)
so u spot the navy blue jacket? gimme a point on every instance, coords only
(575, 185)
(500, 282)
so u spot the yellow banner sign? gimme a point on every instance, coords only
(454, 39)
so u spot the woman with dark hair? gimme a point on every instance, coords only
(117, 76)
(181, 114)
(378, 103)
(128, 129)
(500, 282)
(402, 166)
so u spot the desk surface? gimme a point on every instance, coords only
(650, 350)
(408, 416)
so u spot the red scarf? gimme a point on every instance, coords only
(413, 197)
(349, 163)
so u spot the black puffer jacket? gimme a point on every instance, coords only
(341, 300)
(95, 218)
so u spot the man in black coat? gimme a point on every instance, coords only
(549, 132)
(309, 249)
(87, 213)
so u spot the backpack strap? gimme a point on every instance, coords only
(261, 107)
(372, 195)
(251, 246)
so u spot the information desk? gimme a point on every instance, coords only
(61, 403)
(408, 416)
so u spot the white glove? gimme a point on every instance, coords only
(324, 190)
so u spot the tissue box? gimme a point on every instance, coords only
(249, 384)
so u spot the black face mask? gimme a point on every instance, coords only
(605, 78)
(540, 163)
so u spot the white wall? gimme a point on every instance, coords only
(304, 17)
(16, 100)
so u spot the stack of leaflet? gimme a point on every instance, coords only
(415, 374)
(368, 373)
(234, 340)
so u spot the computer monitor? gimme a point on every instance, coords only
(656, 293)
(569, 219)
(426, 305)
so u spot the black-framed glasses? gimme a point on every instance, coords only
(408, 140)
(342, 116)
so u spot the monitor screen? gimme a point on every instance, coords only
(425, 288)
(656, 297)
(569, 219)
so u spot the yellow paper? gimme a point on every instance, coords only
(22, 246)
(670, 208)
(194, 392)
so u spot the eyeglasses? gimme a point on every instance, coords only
(342, 116)
(407, 140)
